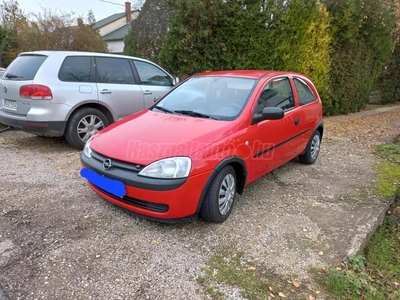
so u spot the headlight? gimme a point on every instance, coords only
(174, 167)
(86, 150)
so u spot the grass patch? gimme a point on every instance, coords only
(389, 171)
(228, 275)
(376, 274)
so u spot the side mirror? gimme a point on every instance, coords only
(175, 80)
(272, 113)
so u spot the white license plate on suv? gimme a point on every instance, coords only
(10, 104)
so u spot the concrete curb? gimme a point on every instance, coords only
(360, 241)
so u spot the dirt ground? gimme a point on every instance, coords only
(58, 240)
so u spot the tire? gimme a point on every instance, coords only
(313, 148)
(84, 123)
(211, 209)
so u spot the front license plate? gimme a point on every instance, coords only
(10, 104)
(112, 186)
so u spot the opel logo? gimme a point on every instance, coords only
(107, 164)
(5, 89)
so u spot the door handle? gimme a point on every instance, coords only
(296, 121)
(147, 92)
(105, 92)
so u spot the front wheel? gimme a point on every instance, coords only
(219, 199)
(312, 151)
(83, 124)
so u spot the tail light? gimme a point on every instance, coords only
(35, 92)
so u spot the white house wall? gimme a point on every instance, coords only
(115, 46)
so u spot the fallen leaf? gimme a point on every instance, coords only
(270, 288)
(154, 242)
(338, 268)
(320, 253)
(282, 295)
(86, 216)
(251, 268)
(272, 295)
(310, 297)
(317, 292)
(295, 283)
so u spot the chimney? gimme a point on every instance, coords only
(128, 12)
(80, 21)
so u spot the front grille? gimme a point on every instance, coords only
(117, 164)
(156, 207)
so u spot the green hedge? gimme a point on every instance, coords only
(343, 46)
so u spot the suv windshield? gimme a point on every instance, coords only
(24, 67)
(216, 97)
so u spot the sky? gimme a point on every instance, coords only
(101, 9)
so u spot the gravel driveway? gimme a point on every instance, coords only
(58, 240)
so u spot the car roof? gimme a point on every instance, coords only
(254, 74)
(80, 53)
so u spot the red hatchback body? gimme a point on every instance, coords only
(203, 142)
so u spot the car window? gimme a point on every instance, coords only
(304, 92)
(114, 70)
(75, 69)
(151, 75)
(219, 97)
(24, 67)
(276, 93)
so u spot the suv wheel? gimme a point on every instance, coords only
(84, 123)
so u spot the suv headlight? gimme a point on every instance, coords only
(86, 150)
(174, 167)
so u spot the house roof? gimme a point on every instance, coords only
(111, 19)
(108, 20)
(118, 34)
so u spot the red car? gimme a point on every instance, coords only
(203, 142)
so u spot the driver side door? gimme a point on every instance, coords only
(272, 142)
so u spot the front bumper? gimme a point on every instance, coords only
(159, 199)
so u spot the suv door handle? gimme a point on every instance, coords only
(296, 121)
(105, 92)
(147, 92)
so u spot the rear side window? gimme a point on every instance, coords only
(151, 75)
(24, 67)
(305, 93)
(114, 70)
(75, 69)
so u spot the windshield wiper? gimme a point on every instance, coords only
(11, 76)
(164, 109)
(194, 114)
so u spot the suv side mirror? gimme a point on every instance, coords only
(175, 80)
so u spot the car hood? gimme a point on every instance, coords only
(149, 136)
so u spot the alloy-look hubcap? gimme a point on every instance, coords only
(88, 126)
(226, 194)
(314, 148)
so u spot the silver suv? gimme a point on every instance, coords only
(76, 94)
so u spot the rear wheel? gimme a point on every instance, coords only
(310, 156)
(83, 124)
(219, 199)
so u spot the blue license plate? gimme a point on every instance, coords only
(112, 186)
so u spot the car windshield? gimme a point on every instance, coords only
(216, 97)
